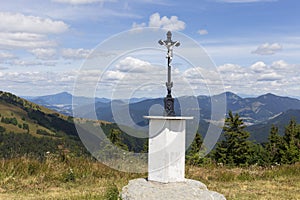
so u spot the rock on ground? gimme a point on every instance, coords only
(140, 189)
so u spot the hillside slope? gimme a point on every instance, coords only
(24, 126)
(21, 116)
(29, 129)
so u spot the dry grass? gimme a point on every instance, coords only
(76, 178)
(80, 178)
(274, 183)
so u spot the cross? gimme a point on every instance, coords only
(169, 101)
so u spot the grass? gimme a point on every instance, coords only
(82, 178)
(76, 178)
(276, 183)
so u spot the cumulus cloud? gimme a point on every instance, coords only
(134, 65)
(230, 68)
(76, 53)
(280, 65)
(199, 76)
(203, 32)
(267, 49)
(11, 22)
(172, 23)
(156, 21)
(259, 67)
(44, 54)
(76, 2)
(277, 77)
(19, 31)
(113, 75)
(45, 82)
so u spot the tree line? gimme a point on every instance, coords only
(235, 149)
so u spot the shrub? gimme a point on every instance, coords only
(112, 192)
(2, 129)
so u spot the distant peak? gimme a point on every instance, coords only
(232, 95)
(63, 93)
(270, 94)
(267, 95)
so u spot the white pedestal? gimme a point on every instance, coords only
(166, 159)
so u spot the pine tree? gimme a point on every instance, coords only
(260, 155)
(274, 145)
(297, 136)
(116, 139)
(290, 131)
(235, 149)
(290, 146)
(195, 152)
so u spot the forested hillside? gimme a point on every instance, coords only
(29, 129)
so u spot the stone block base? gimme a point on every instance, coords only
(138, 189)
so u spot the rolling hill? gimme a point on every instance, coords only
(21, 116)
(28, 128)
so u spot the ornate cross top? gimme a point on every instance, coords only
(169, 101)
(169, 44)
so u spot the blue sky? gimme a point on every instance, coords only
(255, 44)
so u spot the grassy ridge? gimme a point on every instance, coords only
(82, 178)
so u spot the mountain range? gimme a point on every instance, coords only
(258, 113)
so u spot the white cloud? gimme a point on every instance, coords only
(76, 2)
(44, 54)
(44, 82)
(113, 75)
(172, 23)
(278, 77)
(137, 27)
(24, 40)
(269, 77)
(155, 21)
(134, 65)
(203, 32)
(76, 53)
(268, 49)
(280, 64)
(31, 24)
(259, 67)
(19, 31)
(230, 67)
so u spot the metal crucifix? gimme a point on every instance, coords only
(169, 100)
